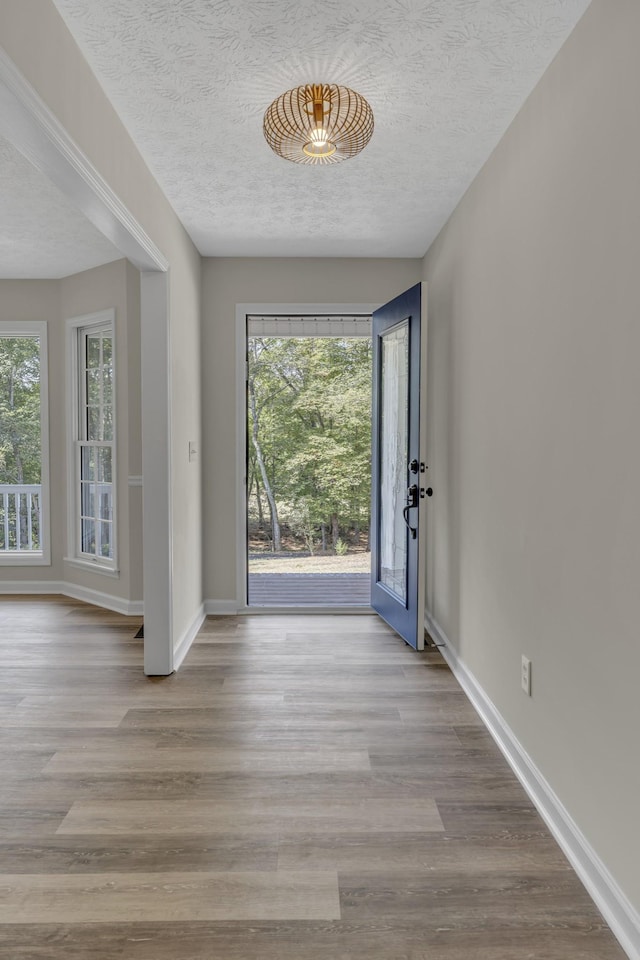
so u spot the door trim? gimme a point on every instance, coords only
(242, 311)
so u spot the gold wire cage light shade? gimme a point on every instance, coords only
(318, 123)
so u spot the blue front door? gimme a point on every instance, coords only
(399, 488)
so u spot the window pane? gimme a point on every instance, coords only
(107, 350)
(93, 423)
(105, 501)
(88, 536)
(107, 386)
(20, 441)
(96, 420)
(105, 540)
(35, 522)
(88, 464)
(93, 388)
(88, 501)
(93, 349)
(104, 464)
(107, 423)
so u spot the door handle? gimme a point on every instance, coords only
(412, 501)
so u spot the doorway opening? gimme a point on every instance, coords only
(308, 461)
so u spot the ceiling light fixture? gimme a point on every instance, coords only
(318, 123)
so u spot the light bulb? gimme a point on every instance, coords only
(319, 144)
(319, 136)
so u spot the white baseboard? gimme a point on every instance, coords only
(619, 913)
(129, 608)
(31, 586)
(182, 648)
(220, 607)
(227, 608)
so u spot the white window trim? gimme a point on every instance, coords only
(25, 328)
(106, 567)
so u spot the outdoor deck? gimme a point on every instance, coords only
(309, 589)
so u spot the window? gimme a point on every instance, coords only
(93, 525)
(24, 481)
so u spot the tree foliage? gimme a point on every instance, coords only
(19, 410)
(310, 430)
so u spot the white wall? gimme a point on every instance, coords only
(534, 335)
(117, 286)
(226, 282)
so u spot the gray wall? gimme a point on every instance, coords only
(534, 336)
(226, 282)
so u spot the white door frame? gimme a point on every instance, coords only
(27, 122)
(243, 310)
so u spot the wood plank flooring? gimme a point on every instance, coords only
(305, 788)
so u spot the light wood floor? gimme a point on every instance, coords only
(305, 788)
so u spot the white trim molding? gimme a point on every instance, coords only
(92, 567)
(184, 644)
(157, 500)
(30, 125)
(31, 587)
(611, 901)
(135, 481)
(128, 608)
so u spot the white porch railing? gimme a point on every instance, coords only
(20, 518)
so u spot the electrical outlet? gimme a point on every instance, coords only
(525, 675)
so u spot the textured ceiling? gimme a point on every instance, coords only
(191, 80)
(41, 234)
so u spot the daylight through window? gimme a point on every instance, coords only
(95, 540)
(22, 455)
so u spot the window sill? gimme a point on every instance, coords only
(26, 558)
(93, 567)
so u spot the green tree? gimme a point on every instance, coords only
(20, 410)
(310, 420)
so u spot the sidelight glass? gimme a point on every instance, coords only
(394, 449)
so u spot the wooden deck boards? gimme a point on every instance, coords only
(305, 788)
(309, 589)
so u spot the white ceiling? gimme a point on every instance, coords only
(191, 80)
(41, 234)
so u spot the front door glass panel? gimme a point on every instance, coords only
(394, 449)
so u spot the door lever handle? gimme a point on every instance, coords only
(412, 530)
(412, 501)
